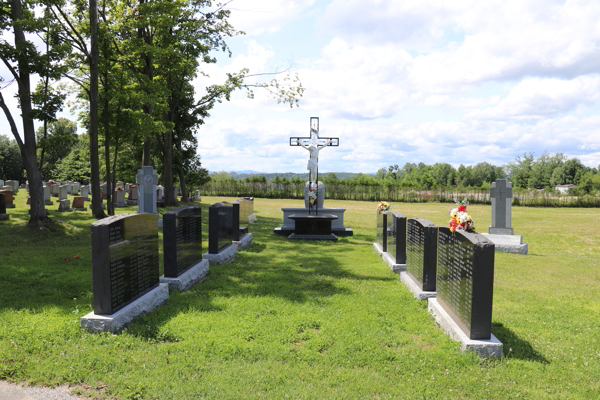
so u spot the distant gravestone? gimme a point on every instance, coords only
(220, 235)
(1, 183)
(132, 194)
(160, 193)
(85, 193)
(197, 196)
(3, 215)
(14, 186)
(48, 196)
(55, 190)
(8, 198)
(146, 179)
(104, 190)
(120, 198)
(69, 186)
(421, 249)
(396, 237)
(63, 192)
(501, 195)
(124, 259)
(182, 235)
(78, 203)
(251, 212)
(64, 205)
(76, 188)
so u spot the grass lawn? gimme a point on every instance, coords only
(298, 319)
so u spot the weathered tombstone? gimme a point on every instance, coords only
(55, 190)
(133, 192)
(14, 186)
(47, 196)
(78, 203)
(1, 183)
(421, 254)
(160, 193)
(127, 187)
(221, 248)
(85, 193)
(182, 237)
(63, 192)
(120, 198)
(465, 284)
(8, 198)
(501, 195)
(3, 215)
(69, 186)
(64, 205)
(76, 188)
(146, 179)
(125, 269)
(197, 196)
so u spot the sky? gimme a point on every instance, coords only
(427, 81)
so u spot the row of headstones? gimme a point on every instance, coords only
(455, 268)
(125, 258)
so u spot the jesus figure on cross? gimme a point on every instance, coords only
(313, 144)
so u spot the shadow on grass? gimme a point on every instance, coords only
(514, 346)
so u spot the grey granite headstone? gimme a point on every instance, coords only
(146, 180)
(160, 193)
(62, 192)
(85, 193)
(501, 195)
(47, 196)
(55, 189)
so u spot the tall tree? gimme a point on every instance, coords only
(23, 59)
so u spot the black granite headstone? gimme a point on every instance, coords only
(182, 239)
(421, 249)
(396, 245)
(220, 221)
(2, 204)
(124, 259)
(465, 280)
(381, 236)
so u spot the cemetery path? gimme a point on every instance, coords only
(12, 391)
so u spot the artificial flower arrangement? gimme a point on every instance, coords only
(312, 197)
(460, 219)
(383, 206)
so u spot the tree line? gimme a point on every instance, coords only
(131, 67)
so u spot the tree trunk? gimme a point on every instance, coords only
(114, 171)
(184, 191)
(96, 199)
(110, 207)
(168, 169)
(28, 146)
(147, 147)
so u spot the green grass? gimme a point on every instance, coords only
(295, 319)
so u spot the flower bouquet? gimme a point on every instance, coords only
(383, 206)
(312, 197)
(460, 219)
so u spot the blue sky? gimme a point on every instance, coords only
(409, 81)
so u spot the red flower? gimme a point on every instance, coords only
(77, 256)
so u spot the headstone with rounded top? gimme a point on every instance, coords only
(85, 193)
(62, 192)
(47, 196)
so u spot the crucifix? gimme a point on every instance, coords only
(314, 144)
(501, 195)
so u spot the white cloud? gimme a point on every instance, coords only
(257, 16)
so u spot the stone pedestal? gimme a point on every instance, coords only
(508, 243)
(414, 287)
(115, 322)
(389, 260)
(485, 348)
(222, 257)
(189, 278)
(244, 242)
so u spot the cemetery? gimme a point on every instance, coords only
(435, 234)
(292, 310)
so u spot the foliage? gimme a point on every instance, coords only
(60, 139)
(76, 165)
(11, 164)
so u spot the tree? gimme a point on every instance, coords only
(443, 174)
(11, 164)
(55, 143)
(520, 170)
(76, 165)
(543, 168)
(24, 59)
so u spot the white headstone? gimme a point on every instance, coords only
(62, 192)
(85, 192)
(146, 180)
